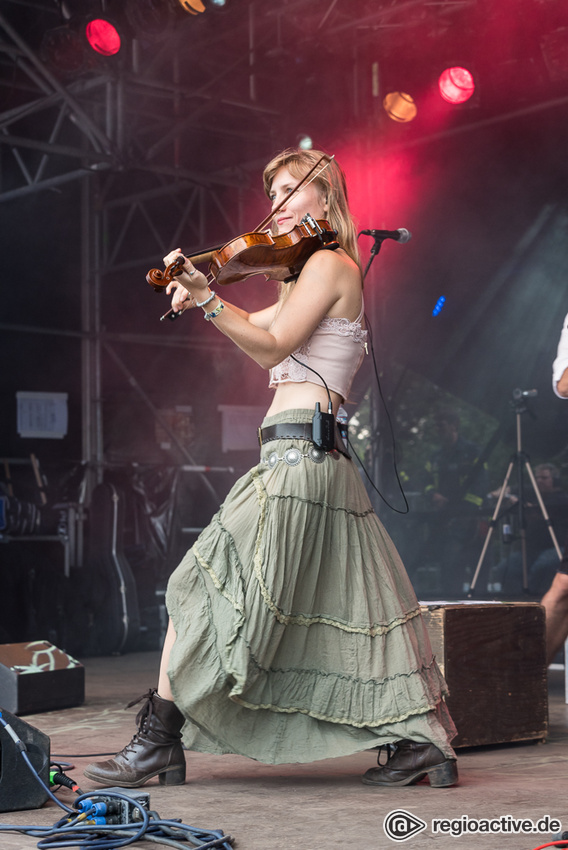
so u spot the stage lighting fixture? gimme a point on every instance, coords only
(400, 107)
(87, 28)
(305, 142)
(439, 305)
(456, 85)
(194, 7)
(64, 49)
(103, 36)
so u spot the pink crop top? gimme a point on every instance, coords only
(335, 350)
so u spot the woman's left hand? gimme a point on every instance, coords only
(190, 278)
(188, 287)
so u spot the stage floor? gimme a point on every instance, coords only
(320, 805)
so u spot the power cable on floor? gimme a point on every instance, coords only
(82, 755)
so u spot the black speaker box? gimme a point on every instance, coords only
(19, 788)
(37, 676)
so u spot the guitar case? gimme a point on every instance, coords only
(114, 598)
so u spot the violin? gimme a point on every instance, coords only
(279, 257)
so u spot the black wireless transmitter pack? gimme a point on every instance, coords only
(323, 430)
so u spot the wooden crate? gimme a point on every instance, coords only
(493, 656)
(37, 676)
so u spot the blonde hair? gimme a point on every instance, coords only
(331, 183)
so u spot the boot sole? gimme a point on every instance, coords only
(173, 776)
(440, 776)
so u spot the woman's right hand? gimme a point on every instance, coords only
(181, 299)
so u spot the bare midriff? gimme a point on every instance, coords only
(298, 396)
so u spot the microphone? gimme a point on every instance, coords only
(518, 394)
(401, 235)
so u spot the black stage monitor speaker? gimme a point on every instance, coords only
(37, 676)
(19, 788)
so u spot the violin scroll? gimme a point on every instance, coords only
(158, 279)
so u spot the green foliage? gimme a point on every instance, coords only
(413, 408)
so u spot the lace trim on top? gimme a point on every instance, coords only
(290, 370)
(343, 327)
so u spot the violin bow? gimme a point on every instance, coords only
(297, 188)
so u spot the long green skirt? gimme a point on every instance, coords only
(299, 636)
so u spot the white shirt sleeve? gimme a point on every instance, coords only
(561, 362)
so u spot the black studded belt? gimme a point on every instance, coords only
(285, 431)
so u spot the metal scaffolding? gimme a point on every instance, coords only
(119, 132)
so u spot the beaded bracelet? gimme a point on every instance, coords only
(214, 313)
(207, 300)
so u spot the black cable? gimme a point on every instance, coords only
(82, 755)
(377, 245)
(301, 363)
(371, 482)
(391, 429)
(59, 779)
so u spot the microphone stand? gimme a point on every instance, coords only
(377, 245)
(519, 460)
(376, 447)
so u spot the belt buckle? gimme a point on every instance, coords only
(259, 434)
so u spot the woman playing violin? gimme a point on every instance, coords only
(294, 632)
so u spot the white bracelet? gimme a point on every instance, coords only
(214, 313)
(207, 300)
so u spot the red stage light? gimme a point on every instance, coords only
(456, 85)
(103, 37)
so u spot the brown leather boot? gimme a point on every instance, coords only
(155, 750)
(409, 762)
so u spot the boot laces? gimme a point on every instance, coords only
(147, 710)
(142, 718)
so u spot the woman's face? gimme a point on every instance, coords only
(307, 200)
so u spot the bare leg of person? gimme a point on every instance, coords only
(164, 688)
(555, 602)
